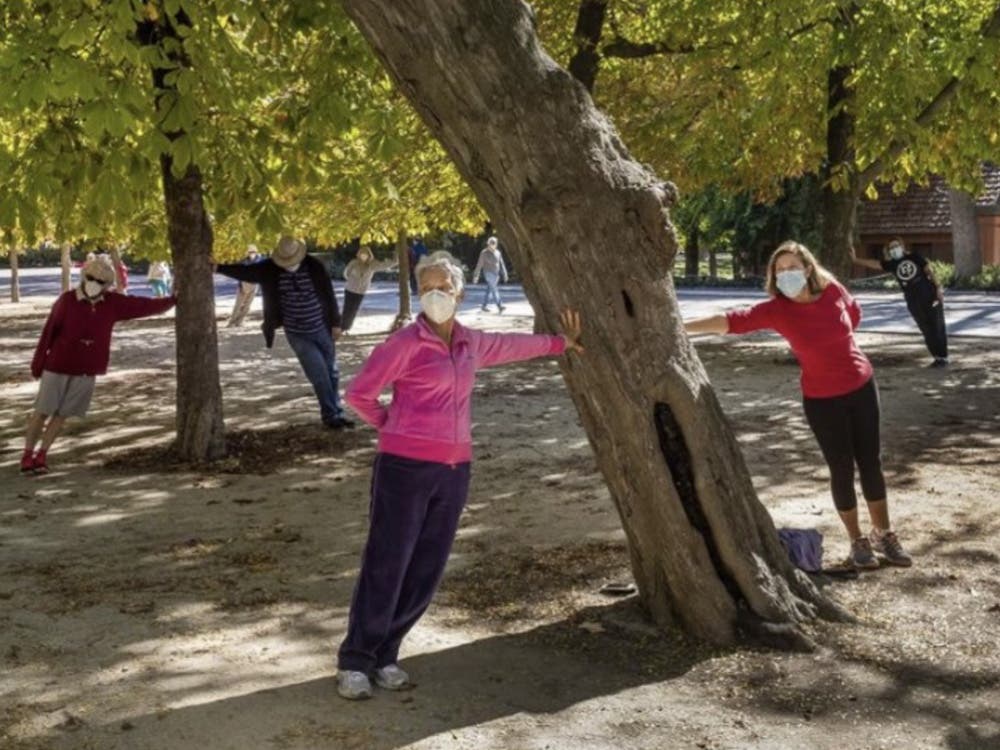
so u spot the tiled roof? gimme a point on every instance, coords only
(921, 208)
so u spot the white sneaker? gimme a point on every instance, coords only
(353, 685)
(392, 678)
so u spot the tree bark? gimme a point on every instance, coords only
(66, 262)
(704, 551)
(200, 426)
(713, 262)
(403, 259)
(15, 277)
(965, 234)
(842, 185)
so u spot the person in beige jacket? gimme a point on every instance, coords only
(358, 277)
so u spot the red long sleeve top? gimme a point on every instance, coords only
(76, 339)
(821, 334)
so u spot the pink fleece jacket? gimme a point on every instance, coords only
(430, 415)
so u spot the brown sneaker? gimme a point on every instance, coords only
(886, 543)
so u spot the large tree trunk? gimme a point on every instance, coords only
(403, 259)
(15, 279)
(200, 427)
(554, 176)
(965, 234)
(65, 263)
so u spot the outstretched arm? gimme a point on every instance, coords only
(710, 324)
(501, 348)
(864, 262)
(253, 273)
(128, 308)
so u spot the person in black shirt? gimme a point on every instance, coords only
(924, 295)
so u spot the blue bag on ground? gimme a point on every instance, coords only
(804, 548)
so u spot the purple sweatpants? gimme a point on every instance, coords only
(414, 514)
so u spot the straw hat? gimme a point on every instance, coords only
(289, 252)
(100, 269)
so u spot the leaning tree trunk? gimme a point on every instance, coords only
(403, 259)
(15, 278)
(66, 263)
(965, 234)
(552, 173)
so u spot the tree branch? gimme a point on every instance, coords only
(626, 49)
(990, 30)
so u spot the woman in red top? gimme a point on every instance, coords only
(817, 317)
(73, 350)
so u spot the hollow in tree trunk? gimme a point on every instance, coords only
(568, 198)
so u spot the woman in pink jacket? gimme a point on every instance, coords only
(421, 474)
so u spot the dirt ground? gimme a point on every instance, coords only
(147, 605)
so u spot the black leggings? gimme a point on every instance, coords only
(352, 301)
(929, 318)
(846, 428)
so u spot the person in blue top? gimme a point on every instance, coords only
(923, 293)
(298, 296)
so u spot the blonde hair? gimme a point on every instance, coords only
(817, 277)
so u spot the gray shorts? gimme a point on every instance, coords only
(64, 395)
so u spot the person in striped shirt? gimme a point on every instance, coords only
(298, 296)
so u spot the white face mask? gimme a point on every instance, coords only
(895, 252)
(92, 288)
(791, 283)
(293, 269)
(438, 306)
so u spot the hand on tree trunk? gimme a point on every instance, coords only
(569, 319)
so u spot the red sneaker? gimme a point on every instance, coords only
(40, 467)
(27, 462)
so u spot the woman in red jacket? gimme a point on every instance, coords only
(817, 317)
(74, 348)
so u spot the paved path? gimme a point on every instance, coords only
(968, 313)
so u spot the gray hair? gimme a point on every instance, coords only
(442, 259)
(492, 241)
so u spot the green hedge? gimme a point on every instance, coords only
(986, 280)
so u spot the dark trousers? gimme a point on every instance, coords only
(847, 430)
(929, 318)
(415, 507)
(352, 303)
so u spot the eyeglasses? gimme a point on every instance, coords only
(88, 277)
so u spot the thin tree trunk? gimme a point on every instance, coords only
(841, 183)
(66, 262)
(587, 33)
(200, 426)
(713, 262)
(15, 277)
(968, 253)
(704, 551)
(403, 316)
(692, 251)
(116, 261)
